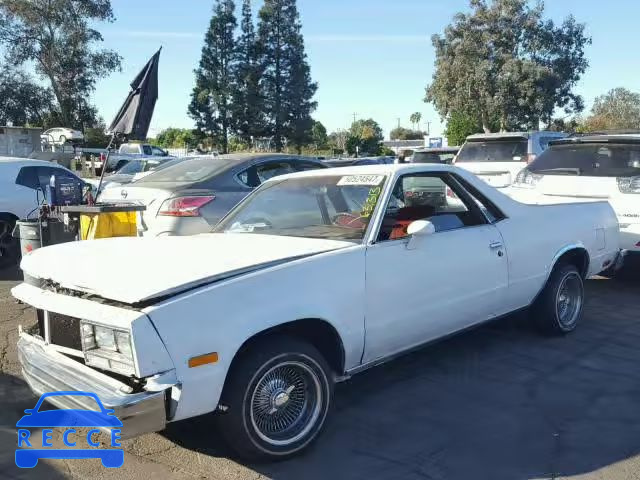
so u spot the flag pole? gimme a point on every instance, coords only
(104, 164)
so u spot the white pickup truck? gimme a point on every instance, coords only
(126, 153)
(312, 278)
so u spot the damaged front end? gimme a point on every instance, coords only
(77, 344)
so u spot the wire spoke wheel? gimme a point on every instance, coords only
(286, 403)
(569, 300)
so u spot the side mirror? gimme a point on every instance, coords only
(417, 231)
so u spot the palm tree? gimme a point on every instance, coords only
(415, 119)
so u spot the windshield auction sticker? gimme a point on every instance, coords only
(368, 180)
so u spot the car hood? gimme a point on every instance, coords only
(135, 270)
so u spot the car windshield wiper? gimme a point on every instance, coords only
(567, 170)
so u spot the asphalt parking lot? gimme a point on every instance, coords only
(499, 402)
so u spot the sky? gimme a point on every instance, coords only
(371, 58)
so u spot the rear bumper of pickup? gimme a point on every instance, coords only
(47, 370)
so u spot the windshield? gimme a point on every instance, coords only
(132, 167)
(501, 150)
(335, 207)
(432, 157)
(592, 160)
(189, 170)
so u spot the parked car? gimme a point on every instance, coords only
(434, 155)
(498, 157)
(586, 169)
(60, 136)
(258, 319)
(193, 195)
(126, 153)
(23, 185)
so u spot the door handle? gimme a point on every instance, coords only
(494, 245)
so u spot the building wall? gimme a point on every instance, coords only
(18, 141)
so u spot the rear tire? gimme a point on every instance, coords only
(559, 308)
(278, 395)
(9, 246)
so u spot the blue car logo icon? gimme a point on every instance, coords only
(68, 419)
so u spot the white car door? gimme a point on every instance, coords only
(439, 283)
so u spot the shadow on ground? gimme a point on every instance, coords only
(499, 402)
(15, 397)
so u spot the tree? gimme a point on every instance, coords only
(95, 137)
(504, 61)
(338, 140)
(618, 109)
(23, 101)
(401, 133)
(59, 38)
(214, 91)
(415, 120)
(247, 103)
(319, 136)
(460, 126)
(287, 86)
(177, 138)
(366, 135)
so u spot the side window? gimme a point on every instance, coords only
(38, 178)
(304, 166)
(44, 175)
(249, 177)
(146, 149)
(256, 174)
(268, 170)
(28, 177)
(488, 208)
(427, 197)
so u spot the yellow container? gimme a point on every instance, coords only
(107, 225)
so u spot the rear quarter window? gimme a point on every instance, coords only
(509, 150)
(595, 160)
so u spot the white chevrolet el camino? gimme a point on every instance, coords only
(312, 278)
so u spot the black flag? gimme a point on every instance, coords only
(134, 117)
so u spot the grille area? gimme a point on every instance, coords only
(65, 331)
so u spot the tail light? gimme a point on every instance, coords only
(450, 193)
(526, 177)
(184, 206)
(530, 158)
(103, 157)
(629, 184)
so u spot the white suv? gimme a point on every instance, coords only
(498, 157)
(589, 168)
(22, 189)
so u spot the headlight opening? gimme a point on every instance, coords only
(107, 348)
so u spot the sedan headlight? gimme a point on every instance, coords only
(107, 348)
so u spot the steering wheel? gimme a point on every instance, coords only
(350, 219)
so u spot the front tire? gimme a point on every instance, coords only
(558, 310)
(278, 395)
